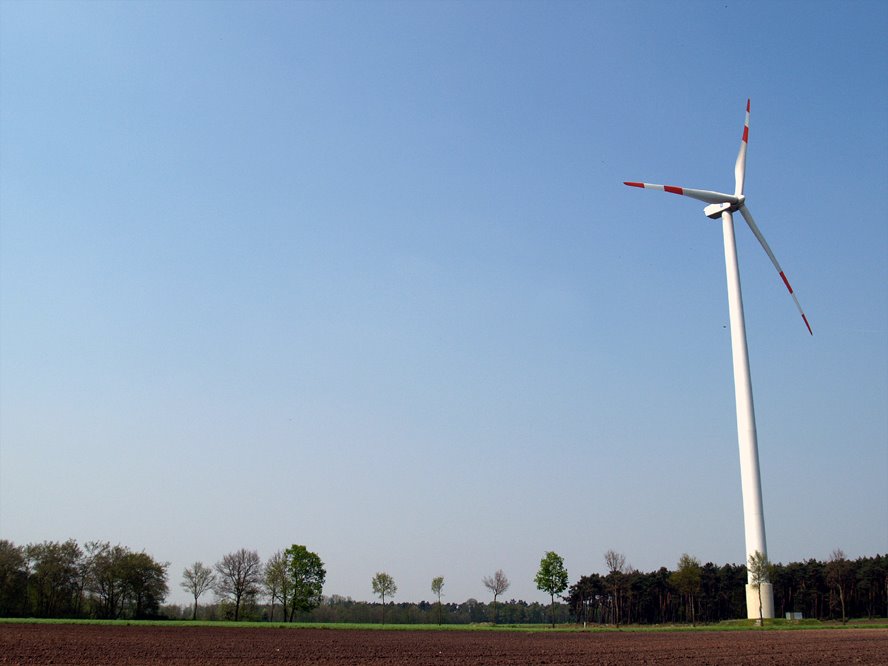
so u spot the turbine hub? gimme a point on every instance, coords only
(714, 211)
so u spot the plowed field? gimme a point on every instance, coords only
(92, 644)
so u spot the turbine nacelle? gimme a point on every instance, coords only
(714, 211)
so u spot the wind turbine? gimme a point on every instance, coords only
(723, 206)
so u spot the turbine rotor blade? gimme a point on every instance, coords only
(740, 165)
(702, 195)
(744, 211)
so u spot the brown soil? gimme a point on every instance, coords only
(92, 644)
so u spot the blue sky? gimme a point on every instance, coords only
(364, 277)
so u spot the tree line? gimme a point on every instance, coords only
(64, 579)
(100, 580)
(836, 589)
(335, 609)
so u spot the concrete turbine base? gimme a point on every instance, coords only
(752, 601)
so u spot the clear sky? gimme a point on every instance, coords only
(363, 276)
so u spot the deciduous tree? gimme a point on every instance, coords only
(840, 575)
(239, 577)
(437, 586)
(383, 586)
(197, 579)
(144, 584)
(616, 577)
(759, 572)
(106, 580)
(498, 583)
(306, 576)
(13, 580)
(687, 579)
(54, 576)
(124, 583)
(552, 577)
(276, 582)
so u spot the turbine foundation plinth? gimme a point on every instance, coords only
(752, 601)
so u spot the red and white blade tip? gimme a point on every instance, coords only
(798, 305)
(805, 319)
(701, 195)
(662, 188)
(744, 211)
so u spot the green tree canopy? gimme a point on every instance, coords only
(552, 577)
(54, 572)
(13, 579)
(687, 579)
(276, 582)
(123, 582)
(306, 576)
(145, 583)
(383, 586)
(437, 586)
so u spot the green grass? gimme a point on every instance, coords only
(731, 625)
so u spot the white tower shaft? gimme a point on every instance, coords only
(750, 478)
(759, 598)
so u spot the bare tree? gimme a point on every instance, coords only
(615, 561)
(197, 580)
(383, 585)
(239, 577)
(616, 567)
(839, 574)
(498, 583)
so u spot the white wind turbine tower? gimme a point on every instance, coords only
(722, 206)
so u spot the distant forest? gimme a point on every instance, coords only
(100, 580)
